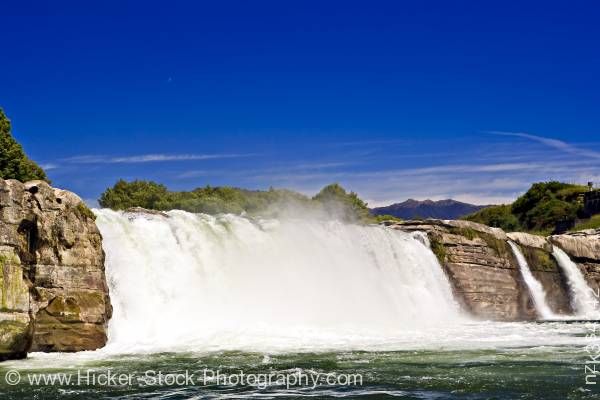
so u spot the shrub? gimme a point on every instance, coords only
(138, 193)
(386, 217)
(438, 249)
(344, 205)
(497, 217)
(538, 210)
(215, 200)
(547, 203)
(85, 211)
(592, 223)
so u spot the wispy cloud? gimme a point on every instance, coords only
(480, 172)
(276, 170)
(49, 166)
(321, 165)
(489, 183)
(371, 142)
(145, 158)
(554, 143)
(448, 169)
(195, 174)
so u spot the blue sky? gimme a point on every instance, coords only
(422, 99)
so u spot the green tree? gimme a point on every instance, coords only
(538, 210)
(497, 217)
(122, 195)
(344, 205)
(208, 199)
(547, 203)
(14, 164)
(223, 199)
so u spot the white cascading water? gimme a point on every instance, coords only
(583, 299)
(196, 281)
(535, 287)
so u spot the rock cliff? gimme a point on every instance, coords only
(53, 288)
(480, 265)
(484, 272)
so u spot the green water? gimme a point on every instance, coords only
(511, 373)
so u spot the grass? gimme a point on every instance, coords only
(500, 247)
(85, 211)
(438, 249)
(539, 260)
(382, 218)
(592, 223)
(469, 233)
(9, 259)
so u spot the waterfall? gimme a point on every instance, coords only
(535, 287)
(200, 281)
(583, 298)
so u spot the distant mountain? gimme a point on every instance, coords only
(442, 209)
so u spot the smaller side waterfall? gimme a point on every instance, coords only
(583, 298)
(535, 287)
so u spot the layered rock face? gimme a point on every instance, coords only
(479, 264)
(484, 272)
(53, 288)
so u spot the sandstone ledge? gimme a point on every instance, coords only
(584, 248)
(581, 245)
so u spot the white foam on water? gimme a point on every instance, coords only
(510, 338)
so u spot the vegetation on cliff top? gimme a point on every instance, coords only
(539, 210)
(592, 223)
(340, 203)
(332, 200)
(14, 164)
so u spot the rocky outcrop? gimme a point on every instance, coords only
(584, 249)
(538, 253)
(53, 288)
(484, 273)
(529, 240)
(480, 266)
(581, 245)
